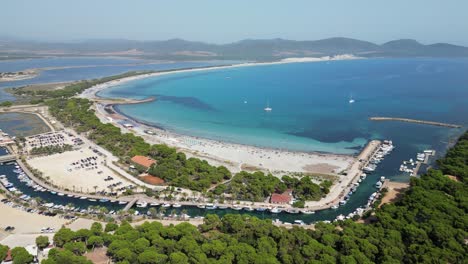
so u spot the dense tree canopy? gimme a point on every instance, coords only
(428, 225)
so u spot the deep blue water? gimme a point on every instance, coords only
(87, 68)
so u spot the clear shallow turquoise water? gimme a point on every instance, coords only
(310, 104)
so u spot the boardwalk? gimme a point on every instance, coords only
(381, 118)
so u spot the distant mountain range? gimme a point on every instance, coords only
(249, 49)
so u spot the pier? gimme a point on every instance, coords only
(7, 158)
(425, 122)
(130, 204)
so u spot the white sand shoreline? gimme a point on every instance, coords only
(234, 156)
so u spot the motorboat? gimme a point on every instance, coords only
(210, 206)
(176, 205)
(299, 222)
(307, 212)
(378, 185)
(275, 210)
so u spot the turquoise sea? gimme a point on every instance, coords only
(310, 102)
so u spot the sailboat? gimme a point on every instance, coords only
(268, 108)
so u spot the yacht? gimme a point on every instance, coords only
(307, 212)
(103, 200)
(261, 209)
(382, 178)
(223, 207)
(248, 209)
(275, 210)
(292, 211)
(268, 108)
(201, 206)
(92, 200)
(70, 195)
(334, 207)
(60, 194)
(176, 205)
(166, 205)
(142, 204)
(122, 202)
(299, 222)
(154, 204)
(378, 185)
(210, 206)
(236, 207)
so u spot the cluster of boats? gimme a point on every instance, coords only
(385, 148)
(211, 206)
(410, 165)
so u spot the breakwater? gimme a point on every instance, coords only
(409, 120)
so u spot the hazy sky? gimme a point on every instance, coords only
(222, 21)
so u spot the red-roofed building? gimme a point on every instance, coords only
(143, 161)
(281, 198)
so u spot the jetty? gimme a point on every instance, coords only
(130, 204)
(409, 120)
(7, 158)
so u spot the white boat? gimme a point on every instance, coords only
(351, 100)
(176, 205)
(201, 206)
(299, 222)
(292, 211)
(268, 108)
(142, 204)
(92, 200)
(123, 202)
(70, 195)
(223, 207)
(382, 178)
(334, 207)
(343, 202)
(275, 210)
(166, 205)
(83, 198)
(60, 194)
(260, 209)
(248, 208)
(210, 206)
(236, 207)
(307, 212)
(378, 185)
(154, 204)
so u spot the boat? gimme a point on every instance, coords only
(378, 185)
(103, 200)
(52, 192)
(351, 100)
(210, 206)
(60, 194)
(299, 222)
(382, 178)
(223, 207)
(236, 207)
(166, 205)
(92, 200)
(70, 195)
(154, 204)
(275, 210)
(292, 211)
(261, 209)
(268, 108)
(176, 205)
(307, 212)
(142, 204)
(248, 208)
(334, 207)
(123, 202)
(343, 202)
(201, 206)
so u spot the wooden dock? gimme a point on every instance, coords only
(432, 123)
